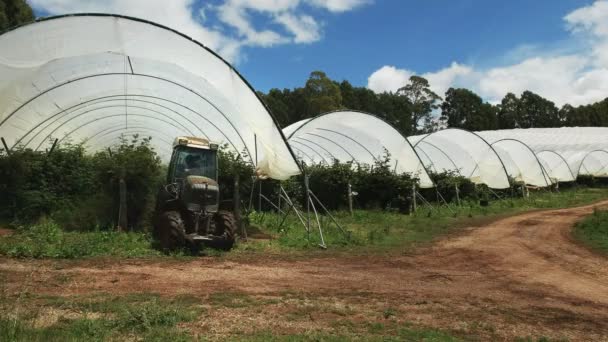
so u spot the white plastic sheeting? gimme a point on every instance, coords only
(581, 148)
(521, 163)
(354, 136)
(556, 166)
(464, 152)
(595, 163)
(97, 77)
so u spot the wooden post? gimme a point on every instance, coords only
(414, 197)
(6, 149)
(350, 199)
(52, 147)
(122, 209)
(260, 196)
(237, 208)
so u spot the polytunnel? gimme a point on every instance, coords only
(97, 77)
(354, 136)
(556, 166)
(464, 152)
(521, 162)
(572, 144)
(595, 163)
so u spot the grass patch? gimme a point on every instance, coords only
(367, 231)
(47, 240)
(593, 231)
(98, 318)
(380, 230)
(375, 332)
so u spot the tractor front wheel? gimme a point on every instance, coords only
(171, 231)
(225, 230)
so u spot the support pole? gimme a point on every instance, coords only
(53, 147)
(457, 194)
(237, 207)
(307, 194)
(329, 214)
(260, 196)
(322, 244)
(8, 152)
(414, 192)
(122, 209)
(350, 199)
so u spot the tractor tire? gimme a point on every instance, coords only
(225, 230)
(171, 231)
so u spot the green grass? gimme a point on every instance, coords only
(593, 231)
(368, 231)
(374, 231)
(98, 318)
(47, 240)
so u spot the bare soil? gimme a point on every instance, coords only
(516, 277)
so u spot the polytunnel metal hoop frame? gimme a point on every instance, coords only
(482, 139)
(374, 116)
(107, 99)
(316, 144)
(182, 35)
(563, 159)
(351, 139)
(333, 142)
(162, 115)
(324, 159)
(442, 152)
(57, 86)
(585, 158)
(304, 153)
(113, 116)
(542, 168)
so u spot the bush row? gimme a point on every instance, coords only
(80, 191)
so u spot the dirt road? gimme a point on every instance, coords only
(520, 276)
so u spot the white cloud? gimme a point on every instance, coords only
(176, 14)
(304, 28)
(292, 25)
(575, 77)
(388, 78)
(443, 79)
(339, 5)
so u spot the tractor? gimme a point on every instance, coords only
(188, 213)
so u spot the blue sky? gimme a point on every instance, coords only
(558, 49)
(417, 35)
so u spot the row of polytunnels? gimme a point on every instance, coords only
(95, 78)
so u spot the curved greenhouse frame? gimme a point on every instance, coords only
(521, 163)
(97, 77)
(464, 152)
(556, 166)
(354, 136)
(595, 163)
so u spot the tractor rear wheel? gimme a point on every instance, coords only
(225, 230)
(171, 231)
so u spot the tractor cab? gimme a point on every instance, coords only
(192, 157)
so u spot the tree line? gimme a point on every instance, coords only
(415, 108)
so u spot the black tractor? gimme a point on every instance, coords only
(188, 213)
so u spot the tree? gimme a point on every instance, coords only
(508, 112)
(396, 110)
(422, 99)
(13, 13)
(463, 108)
(323, 94)
(565, 114)
(537, 111)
